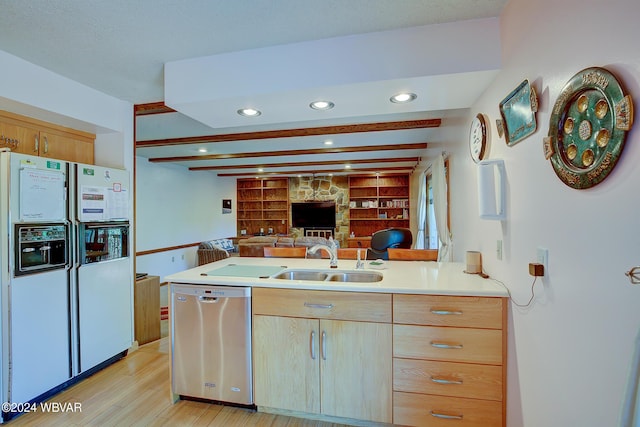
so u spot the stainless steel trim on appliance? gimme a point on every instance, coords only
(211, 328)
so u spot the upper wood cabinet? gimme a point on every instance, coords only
(378, 202)
(28, 136)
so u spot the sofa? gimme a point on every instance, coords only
(254, 246)
(214, 250)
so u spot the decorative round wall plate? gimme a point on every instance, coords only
(588, 127)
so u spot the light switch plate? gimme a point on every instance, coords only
(543, 258)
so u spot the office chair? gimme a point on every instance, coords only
(389, 238)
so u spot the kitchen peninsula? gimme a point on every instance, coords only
(423, 343)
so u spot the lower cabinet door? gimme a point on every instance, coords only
(286, 363)
(356, 370)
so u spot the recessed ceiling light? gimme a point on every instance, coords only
(249, 112)
(328, 142)
(322, 105)
(202, 150)
(260, 170)
(401, 98)
(347, 166)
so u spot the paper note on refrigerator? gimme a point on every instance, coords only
(42, 195)
(99, 203)
(93, 203)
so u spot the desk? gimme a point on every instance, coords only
(147, 309)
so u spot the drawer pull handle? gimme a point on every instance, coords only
(446, 416)
(311, 305)
(447, 346)
(443, 381)
(446, 312)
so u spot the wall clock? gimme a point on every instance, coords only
(478, 137)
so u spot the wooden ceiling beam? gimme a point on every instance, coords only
(292, 133)
(355, 171)
(329, 150)
(151, 108)
(302, 164)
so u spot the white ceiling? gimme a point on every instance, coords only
(120, 47)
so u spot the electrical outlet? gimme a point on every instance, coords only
(173, 259)
(499, 249)
(543, 258)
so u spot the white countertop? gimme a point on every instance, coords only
(401, 277)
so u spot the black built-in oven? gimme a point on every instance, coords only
(40, 247)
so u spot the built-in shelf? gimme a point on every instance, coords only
(263, 206)
(378, 202)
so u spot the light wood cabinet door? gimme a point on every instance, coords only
(37, 138)
(356, 370)
(20, 139)
(286, 363)
(64, 147)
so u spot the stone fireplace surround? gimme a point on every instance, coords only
(323, 188)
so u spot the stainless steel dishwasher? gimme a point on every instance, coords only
(211, 342)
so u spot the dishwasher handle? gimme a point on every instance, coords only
(208, 300)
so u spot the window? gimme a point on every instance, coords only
(431, 229)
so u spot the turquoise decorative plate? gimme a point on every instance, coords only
(518, 111)
(587, 128)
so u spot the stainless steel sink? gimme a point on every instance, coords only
(355, 276)
(330, 276)
(318, 276)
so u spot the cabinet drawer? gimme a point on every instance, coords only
(448, 379)
(358, 306)
(439, 310)
(436, 411)
(482, 346)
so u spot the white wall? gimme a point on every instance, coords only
(570, 352)
(174, 207)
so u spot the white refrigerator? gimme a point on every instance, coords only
(104, 271)
(65, 311)
(34, 279)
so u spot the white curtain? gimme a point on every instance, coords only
(422, 211)
(439, 183)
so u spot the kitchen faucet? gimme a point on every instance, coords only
(359, 262)
(331, 248)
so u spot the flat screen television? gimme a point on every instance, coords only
(313, 215)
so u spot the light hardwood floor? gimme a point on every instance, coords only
(135, 391)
